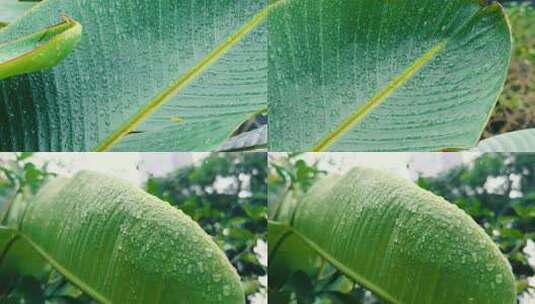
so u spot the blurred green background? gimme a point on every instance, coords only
(516, 106)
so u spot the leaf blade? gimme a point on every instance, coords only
(40, 50)
(517, 141)
(129, 55)
(403, 243)
(103, 244)
(184, 80)
(330, 60)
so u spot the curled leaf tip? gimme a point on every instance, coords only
(40, 50)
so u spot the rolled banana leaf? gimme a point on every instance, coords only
(122, 245)
(40, 50)
(405, 244)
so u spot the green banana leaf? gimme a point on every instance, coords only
(518, 141)
(147, 75)
(19, 258)
(121, 245)
(288, 254)
(376, 75)
(41, 50)
(403, 243)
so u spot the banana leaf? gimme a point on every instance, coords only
(517, 141)
(41, 50)
(122, 245)
(379, 75)
(147, 75)
(403, 243)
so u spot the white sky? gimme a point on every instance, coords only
(134, 167)
(399, 163)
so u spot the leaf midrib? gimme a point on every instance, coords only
(362, 112)
(58, 267)
(344, 269)
(186, 78)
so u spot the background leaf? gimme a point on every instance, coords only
(252, 139)
(518, 141)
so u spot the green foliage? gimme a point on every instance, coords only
(142, 78)
(21, 174)
(362, 75)
(235, 215)
(289, 176)
(509, 222)
(507, 213)
(40, 50)
(516, 106)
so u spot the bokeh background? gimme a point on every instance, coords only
(516, 106)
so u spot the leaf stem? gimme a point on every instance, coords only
(383, 294)
(59, 268)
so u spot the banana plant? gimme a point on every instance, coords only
(375, 75)
(385, 233)
(146, 75)
(116, 243)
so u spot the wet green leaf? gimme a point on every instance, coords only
(147, 75)
(122, 245)
(403, 243)
(40, 50)
(381, 75)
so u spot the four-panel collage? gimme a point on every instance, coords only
(267, 151)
